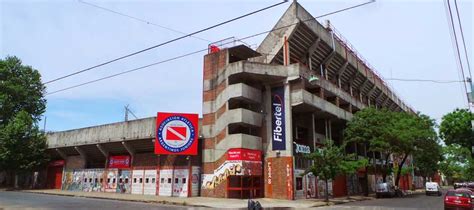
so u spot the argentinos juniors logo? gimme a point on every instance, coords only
(176, 134)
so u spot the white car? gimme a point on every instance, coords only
(433, 188)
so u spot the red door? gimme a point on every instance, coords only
(55, 175)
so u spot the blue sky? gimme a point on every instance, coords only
(402, 39)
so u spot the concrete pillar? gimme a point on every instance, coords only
(104, 152)
(130, 151)
(82, 154)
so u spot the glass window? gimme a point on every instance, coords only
(169, 180)
(120, 180)
(153, 180)
(147, 180)
(162, 180)
(126, 180)
(176, 180)
(184, 180)
(108, 180)
(113, 180)
(141, 180)
(90, 179)
(85, 180)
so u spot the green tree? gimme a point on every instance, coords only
(427, 157)
(457, 164)
(22, 144)
(455, 128)
(330, 162)
(371, 127)
(408, 134)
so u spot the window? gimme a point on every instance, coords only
(101, 180)
(120, 180)
(147, 180)
(113, 180)
(162, 180)
(184, 180)
(108, 180)
(134, 180)
(90, 179)
(85, 180)
(153, 180)
(169, 180)
(126, 180)
(141, 180)
(96, 180)
(176, 180)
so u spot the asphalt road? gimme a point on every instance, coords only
(417, 201)
(21, 200)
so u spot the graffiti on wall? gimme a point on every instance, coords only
(228, 168)
(124, 177)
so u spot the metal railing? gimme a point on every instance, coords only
(350, 48)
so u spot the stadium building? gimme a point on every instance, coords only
(262, 111)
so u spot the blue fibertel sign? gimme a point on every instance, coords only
(278, 118)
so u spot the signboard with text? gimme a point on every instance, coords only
(119, 161)
(176, 134)
(244, 154)
(278, 118)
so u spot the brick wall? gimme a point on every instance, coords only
(278, 182)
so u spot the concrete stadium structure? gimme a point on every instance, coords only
(250, 145)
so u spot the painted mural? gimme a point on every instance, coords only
(111, 181)
(228, 168)
(124, 177)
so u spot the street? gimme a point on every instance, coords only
(417, 201)
(21, 200)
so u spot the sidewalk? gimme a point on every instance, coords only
(205, 201)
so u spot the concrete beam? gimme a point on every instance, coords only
(61, 153)
(102, 150)
(342, 69)
(328, 59)
(353, 78)
(371, 91)
(129, 148)
(81, 153)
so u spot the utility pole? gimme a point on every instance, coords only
(127, 110)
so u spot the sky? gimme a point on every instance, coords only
(401, 39)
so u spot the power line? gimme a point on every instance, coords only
(202, 50)
(458, 58)
(139, 19)
(165, 43)
(425, 80)
(128, 71)
(463, 42)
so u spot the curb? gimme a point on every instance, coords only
(122, 199)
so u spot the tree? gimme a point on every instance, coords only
(427, 157)
(457, 164)
(330, 161)
(371, 127)
(408, 134)
(456, 128)
(22, 144)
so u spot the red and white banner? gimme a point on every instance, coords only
(176, 134)
(119, 161)
(244, 154)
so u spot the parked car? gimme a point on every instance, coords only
(387, 190)
(433, 188)
(461, 198)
